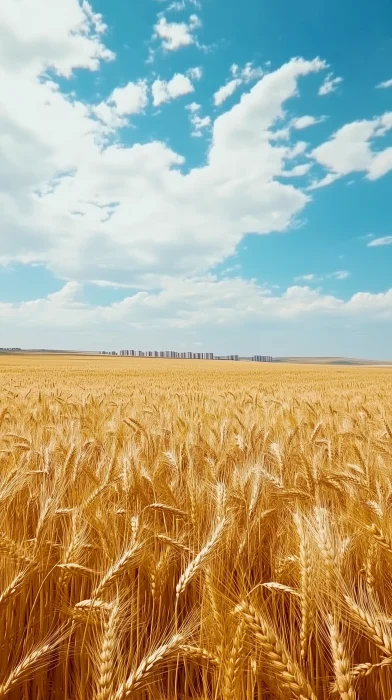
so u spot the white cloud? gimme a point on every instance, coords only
(305, 121)
(194, 21)
(107, 284)
(349, 150)
(383, 124)
(297, 171)
(175, 35)
(240, 76)
(384, 240)
(128, 215)
(193, 107)
(306, 278)
(225, 91)
(90, 209)
(385, 84)
(338, 275)
(124, 101)
(180, 5)
(195, 73)
(327, 180)
(381, 164)
(192, 303)
(130, 99)
(199, 124)
(330, 84)
(36, 35)
(251, 72)
(165, 91)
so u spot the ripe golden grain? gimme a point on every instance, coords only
(142, 502)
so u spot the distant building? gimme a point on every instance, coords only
(173, 354)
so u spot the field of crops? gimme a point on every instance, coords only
(194, 530)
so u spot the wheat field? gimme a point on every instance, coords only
(200, 530)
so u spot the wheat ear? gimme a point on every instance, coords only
(370, 626)
(91, 610)
(234, 661)
(341, 663)
(107, 661)
(195, 564)
(305, 561)
(169, 510)
(117, 569)
(13, 549)
(380, 537)
(364, 670)
(199, 653)
(147, 666)
(12, 588)
(37, 658)
(288, 671)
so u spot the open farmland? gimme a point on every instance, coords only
(175, 529)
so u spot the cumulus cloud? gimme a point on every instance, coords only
(77, 199)
(195, 73)
(329, 85)
(305, 121)
(130, 99)
(189, 303)
(199, 124)
(245, 75)
(193, 107)
(179, 5)
(176, 35)
(107, 284)
(165, 91)
(36, 35)
(123, 102)
(385, 84)
(381, 164)
(95, 209)
(226, 90)
(376, 242)
(350, 150)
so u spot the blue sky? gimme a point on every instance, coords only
(196, 174)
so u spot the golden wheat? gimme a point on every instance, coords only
(192, 530)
